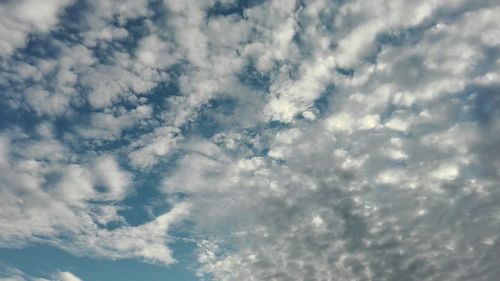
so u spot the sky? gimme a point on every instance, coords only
(252, 140)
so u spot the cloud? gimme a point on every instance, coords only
(150, 148)
(381, 186)
(294, 97)
(8, 273)
(21, 18)
(47, 200)
(295, 140)
(67, 276)
(112, 177)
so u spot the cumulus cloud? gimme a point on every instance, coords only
(299, 140)
(9, 273)
(67, 276)
(22, 18)
(362, 192)
(56, 202)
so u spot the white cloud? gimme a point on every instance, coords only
(67, 276)
(108, 173)
(382, 164)
(56, 202)
(389, 170)
(21, 18)
(150, 148)
(156, 53)
(76, 185)
(293, 97)
(8, 273)
(446, 172)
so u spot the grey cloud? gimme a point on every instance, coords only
(48, 198)
(396, 183)
(394, 176)
(21, 18)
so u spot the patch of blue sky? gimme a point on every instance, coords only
(11, 118)
(158, 15)
(235, 8)
(147, 201)
(221, 9)
(485, 104)
(213, 118)
(40, 46)
(75, 18)
(322, 104)
(137, 29)
(158, 96)
(44, 260)
(254, 79)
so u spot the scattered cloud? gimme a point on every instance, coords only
(293, 140)
(9, 273)
(67, 276)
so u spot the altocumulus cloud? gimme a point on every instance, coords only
(294, 140)
(8, 273)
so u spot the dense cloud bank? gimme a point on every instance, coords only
(294, 140)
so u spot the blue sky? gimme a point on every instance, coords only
(249, 140)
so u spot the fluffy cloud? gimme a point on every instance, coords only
(60, 203)
(22, 18)
(387, 185)
(67, 276)
(8, 273)
(301, 140)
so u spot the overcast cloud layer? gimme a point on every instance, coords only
(289, 140)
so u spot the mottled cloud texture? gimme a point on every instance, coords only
(293, 140)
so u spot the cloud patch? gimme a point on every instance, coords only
(289, 140)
